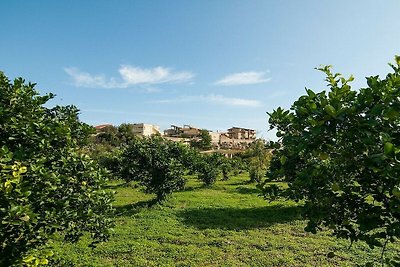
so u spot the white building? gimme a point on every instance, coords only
(145, 129)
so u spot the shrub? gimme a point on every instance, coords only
(209, 168)
(158, 164)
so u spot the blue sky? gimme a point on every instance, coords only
(211, 64)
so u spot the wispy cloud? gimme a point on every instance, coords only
(217, 99)
(84, 79)
(233, 101)
(243, 78)
(129, 76)
(157, 75)
(142, 114)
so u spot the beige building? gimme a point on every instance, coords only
(174, 131)
(186, 131)
(145, 129)
(241, 133)
(215, 138)
(190, 131)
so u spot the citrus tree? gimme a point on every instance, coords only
(339, 152)
(157, 164)
(47, 185)
(209, 167)
(257, 157)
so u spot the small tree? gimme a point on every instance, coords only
(226, 167)
(257, 157)
(209, 168)
(339, 153)
(158, 164)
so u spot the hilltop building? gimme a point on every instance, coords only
(186, 131)
(235, 138)
(143, 129)
(242, 133)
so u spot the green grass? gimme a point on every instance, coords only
(228, 224)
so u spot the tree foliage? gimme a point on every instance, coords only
(339, 152)
(209, 168)
(47, 185)
(158, 164)
(257, 157)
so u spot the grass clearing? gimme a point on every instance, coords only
(228, 224)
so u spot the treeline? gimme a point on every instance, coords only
(159, 165)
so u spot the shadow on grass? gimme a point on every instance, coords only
(247, 182)
(246, 190)
(134, 208)
(239, 219)
(116, 186)
(191, 188)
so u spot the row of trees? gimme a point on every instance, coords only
(159, 165)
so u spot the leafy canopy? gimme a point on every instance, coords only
(339, 152)
(47, 185)
(158, 164)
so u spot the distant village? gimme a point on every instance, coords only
(235, 138)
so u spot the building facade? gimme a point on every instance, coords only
(242, 133)
(144, 129)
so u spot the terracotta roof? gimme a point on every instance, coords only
(102, 126)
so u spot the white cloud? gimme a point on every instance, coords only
(233, 101)
(130, 76)
(217, 99)
(243, 78)
(84, 79)
(134, 75)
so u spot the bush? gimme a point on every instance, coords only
(257, 157)
(47, 185)
(158, 164)
(339, 153)
(209, 168)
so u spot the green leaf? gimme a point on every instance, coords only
(25, 218)
(323, 156)
(396, 191)
(335, 187)
(283, 159)
(388, 148)
(330, 110)
(397, 59)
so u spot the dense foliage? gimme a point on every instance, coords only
(47, 185)
(106, 147)
(339, 152)
(257, 158)
(158, 164)
(209, 168)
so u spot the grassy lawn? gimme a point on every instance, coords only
(228, 224)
